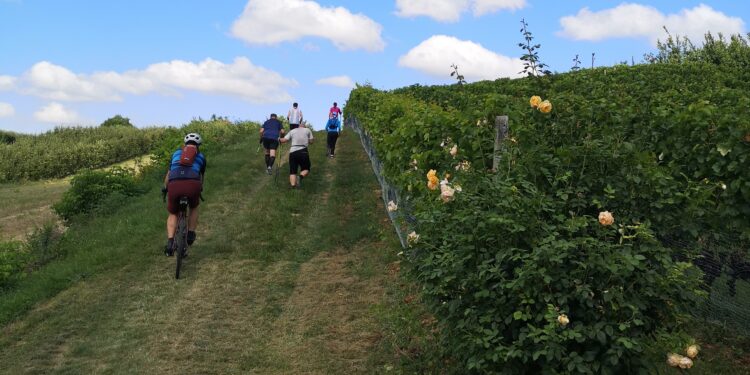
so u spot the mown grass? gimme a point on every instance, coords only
(279, 281)
(28, 205)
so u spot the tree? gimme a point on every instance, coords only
(116, 121)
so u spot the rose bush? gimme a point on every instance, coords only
(517, 250)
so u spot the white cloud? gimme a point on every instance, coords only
(56, 113)
(629, 20)
(482, 7)
(338, 81)
(440, 10)
(435, 56)
(55, 82)
(240, 79)
(6, 110)
(450, 10)
(7, 83)
(270, 22)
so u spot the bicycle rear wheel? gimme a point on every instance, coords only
(180, 240)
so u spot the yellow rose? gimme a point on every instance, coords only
(433, 183)
(534, 101)
(545, 106)
(431, 173)
(563, 320)
(692, 351)
(606, 218)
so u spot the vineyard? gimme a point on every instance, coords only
(560, 260)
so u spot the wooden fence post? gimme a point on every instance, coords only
(501, 131)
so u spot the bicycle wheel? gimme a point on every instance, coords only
(180, 240)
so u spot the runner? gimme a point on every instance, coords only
(334, 112)
(299, 158)
(269, 137)
(333, 128)
(294, 116)
(184, 178)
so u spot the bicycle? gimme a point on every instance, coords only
(180, 243)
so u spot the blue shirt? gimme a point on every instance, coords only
(198, 168)
(272, 129)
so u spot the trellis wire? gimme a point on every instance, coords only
(388, 191)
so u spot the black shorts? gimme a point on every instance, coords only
(270, 143)
(293, 126)
(299, 159)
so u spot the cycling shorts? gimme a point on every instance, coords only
(183, 188)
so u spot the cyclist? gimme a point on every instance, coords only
(294, 116)
(269, 135)
(299, 158)
(184, 179)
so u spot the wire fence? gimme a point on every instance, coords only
(389, 192)
(724, 261)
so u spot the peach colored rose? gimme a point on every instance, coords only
(686, 362)
(563, 320)
(606, 218)
(454, 150)
(446, 192)
(392, 207)
(673, 359)
(412, 238)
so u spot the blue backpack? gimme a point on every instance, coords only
(333, 123)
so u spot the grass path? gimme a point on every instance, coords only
(280, 281)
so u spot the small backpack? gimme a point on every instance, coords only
(332, 124)
(187, 158)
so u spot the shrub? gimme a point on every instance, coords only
(503, 263)
(90, 188)
(42, 245)
(13, 259)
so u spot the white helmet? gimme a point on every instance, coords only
(193, 137)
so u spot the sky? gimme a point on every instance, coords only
(165, 62)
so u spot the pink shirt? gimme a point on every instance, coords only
(334, 110)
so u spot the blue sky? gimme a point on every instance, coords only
(164, 62)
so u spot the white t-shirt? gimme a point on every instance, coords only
(294, 116)
(300, 138)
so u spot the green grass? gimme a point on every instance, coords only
(279, 281)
